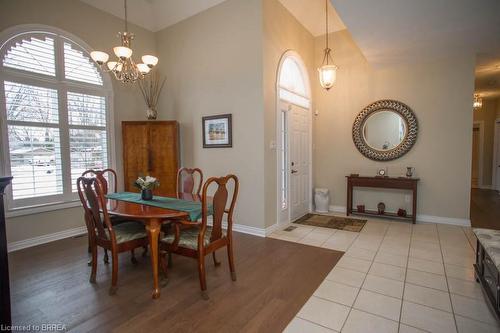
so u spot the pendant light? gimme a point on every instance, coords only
(124, 68)
(478, 102)
(327, 71)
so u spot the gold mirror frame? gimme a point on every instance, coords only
(409, 140)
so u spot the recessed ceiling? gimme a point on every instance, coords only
(311, 13)
(487, 83)
(154, 15)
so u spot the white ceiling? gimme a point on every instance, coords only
(388, 31)
(311, 13)
(154, 15)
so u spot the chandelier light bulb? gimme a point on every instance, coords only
(149, 60)
(143, 68)
(122, 52)
(114, 66)
(99, 57)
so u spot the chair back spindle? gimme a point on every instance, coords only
(104, 177)
(219, 204)
(186, 180)
(92, 197)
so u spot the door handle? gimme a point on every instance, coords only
(294, 171)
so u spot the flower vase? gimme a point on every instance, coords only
(151, 113)
(147, 195)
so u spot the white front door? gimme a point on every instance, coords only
(299, 161)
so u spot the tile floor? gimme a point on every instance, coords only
(395, 277)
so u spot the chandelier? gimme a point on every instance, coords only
(327, 71)
(124, 68)
(478, 102)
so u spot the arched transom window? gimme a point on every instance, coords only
(292, 84)
(54, 112)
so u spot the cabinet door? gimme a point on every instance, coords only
(164, 155)
(135, 152)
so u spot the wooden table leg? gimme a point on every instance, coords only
(153, 228)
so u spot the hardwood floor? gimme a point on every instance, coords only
(49, 284)
(485, 209)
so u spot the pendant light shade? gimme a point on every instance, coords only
(478, 102)
(327, 71)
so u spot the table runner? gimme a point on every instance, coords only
(193, 208)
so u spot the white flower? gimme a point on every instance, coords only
(150, 179)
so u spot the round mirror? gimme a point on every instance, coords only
(384, 130)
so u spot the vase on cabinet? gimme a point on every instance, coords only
(152, 113)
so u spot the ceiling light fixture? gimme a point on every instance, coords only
(124, 68)
(478, 102)
(327, 71)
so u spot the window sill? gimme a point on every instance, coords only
(15, 212)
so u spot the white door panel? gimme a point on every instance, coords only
(299, 162)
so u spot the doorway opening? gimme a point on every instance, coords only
(485, 166)
(294, 139)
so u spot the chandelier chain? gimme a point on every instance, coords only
(326, 25)
(126, 16)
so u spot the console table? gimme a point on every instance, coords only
(5, 319)
(402, 183)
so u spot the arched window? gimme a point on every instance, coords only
(54, 109)
(292, 84)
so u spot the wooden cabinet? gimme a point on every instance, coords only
(151, 148)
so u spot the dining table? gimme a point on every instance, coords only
(152, 217)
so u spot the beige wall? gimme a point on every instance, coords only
(440, 95)
(213, 64)
(99, 30)
(225, 60)
(282, 32)
(487, 116)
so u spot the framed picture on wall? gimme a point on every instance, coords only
(217, 131)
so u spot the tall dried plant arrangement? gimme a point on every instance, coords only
(151, 87)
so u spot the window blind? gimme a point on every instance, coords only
(33, 55)
(79, 67)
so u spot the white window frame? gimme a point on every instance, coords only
(62, 85)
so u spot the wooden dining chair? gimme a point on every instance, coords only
(106, 176)
(101, 175)
(201, 240)
(122, 237)
(186, 180)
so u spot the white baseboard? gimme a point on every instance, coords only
(244, 229)
(420, 218)
(337, 209)
(25, 243)
(486, 187)
(30, 242)
(443, 220)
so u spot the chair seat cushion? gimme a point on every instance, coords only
(127, 231)
(189, 238)
(490, 240)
